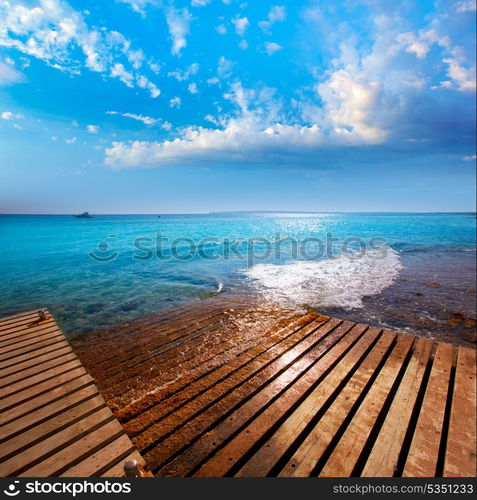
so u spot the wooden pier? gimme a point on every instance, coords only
(229, 390)
(53, 422)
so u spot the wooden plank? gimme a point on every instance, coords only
(263, 461)
(37, 369)
(32, 355)
(300, 366)
(384, 455)
(26, 333)
(307, 455)
(233, 390)
(52, 332)
(346, 453)
(79, 450)
(32, 382)
(59, 338)
(460, 457)
(65, 385)
(34, 363)
(42, 431)
(112, 454)
(117, 470)
(423, 453)
(26, 325)
(75, 369)
(37, 416)
(59, 441)
(6, 320)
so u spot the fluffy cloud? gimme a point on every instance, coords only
(92, 129)
(54, 32)
(272, 47)
(175, 102)
(241, 24)
(389, 87)
(276, 14)
(139, 6)
(8, 115)
(470, 158)
(178, 22)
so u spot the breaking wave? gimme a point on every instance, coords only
(342, 282)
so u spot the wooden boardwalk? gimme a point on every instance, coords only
(231, 391)
(53, 422)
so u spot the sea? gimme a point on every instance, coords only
(411, 272)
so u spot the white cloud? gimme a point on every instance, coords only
(277, 13)
(139, 6)
(178, 22)
(175, 102)
(463, 77)
(59, 35)
(92, 129)
(192, 88)
(54, 138)
(221, 29)
(272, 47)
(147, 120)
(241, 24)
(8, 115)
(465, 6)
(71, 140)
(224, 67)
(182, 75)
(243, 44)
(470, 158)
(9, 75)
(213, 81)
(421, 43)
(200, 3)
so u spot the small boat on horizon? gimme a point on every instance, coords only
(84, 215)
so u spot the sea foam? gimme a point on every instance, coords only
(343, 281)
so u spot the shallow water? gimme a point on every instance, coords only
(419, 277)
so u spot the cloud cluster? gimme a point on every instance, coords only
(369, 94)
(51, 30)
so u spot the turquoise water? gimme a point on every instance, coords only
(95, 272)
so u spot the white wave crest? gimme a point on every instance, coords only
(343, 281)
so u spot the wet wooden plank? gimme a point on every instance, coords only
(295, 363)
(222, 461)
(384, 455)
(346, 453)
(423, 453)
(307, 455)
(460, 457)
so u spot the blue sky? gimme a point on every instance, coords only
(149, 106)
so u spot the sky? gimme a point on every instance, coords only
(180, 106)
